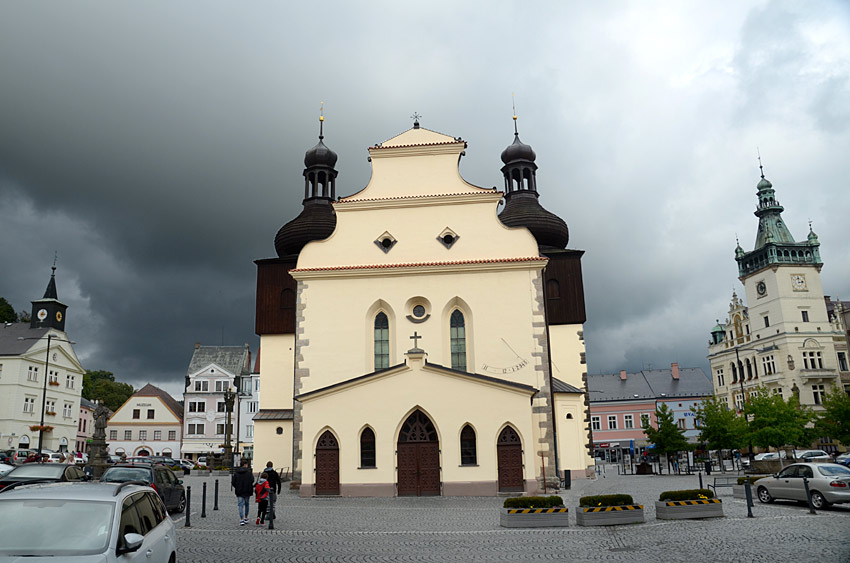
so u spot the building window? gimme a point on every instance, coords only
(739, 401)
(32, 373)
(69, 381)
(221, 406)
(594, 423)
(768, 365)
(222, 386)
(382, 341)
(682, 424)
(805, 316)
(249, 431)
(766, 321)
(157, 434)
(817, 394)
(50, 407)
(468, 448)
(457, 337)
(137, 413)
(29, 404)
(193, 429)
(721, 382)
(219, 429)
(202, 386)
(812, 360)
(612, 422)
(778, 391)
(53, 377)
(172, 434)
(842, 361)
(66, 410)
(734, 373)
(150, 414)
(628, 421)
(143, 434)
(644, 420)
(113, 434)
(197, 406)
(252, 406)
(128, 434)
(367, 448)
(257, 384)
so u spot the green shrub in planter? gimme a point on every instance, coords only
(534, 502)
(606, 500)
(687, 494)
(752, 478)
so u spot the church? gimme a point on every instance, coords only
(413, 340)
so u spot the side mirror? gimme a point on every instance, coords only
(179, 481)
(132, 542)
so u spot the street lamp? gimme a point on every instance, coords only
(229, 398)
(50, 337)
(744, 403)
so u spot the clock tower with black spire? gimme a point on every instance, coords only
(49, 312)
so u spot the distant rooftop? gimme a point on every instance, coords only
(649, 385)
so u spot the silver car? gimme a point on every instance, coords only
(829, 483)
(85, 522)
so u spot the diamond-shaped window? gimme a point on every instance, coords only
(385, 241)
(448, 237)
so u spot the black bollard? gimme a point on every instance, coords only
(215, 497)
(188, 507)
(749, 493)
(809, 495)
(204, 501)
(700, 479)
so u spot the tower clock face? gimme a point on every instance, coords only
(59, 316)
(42, 314)
(798, 282)
(761, 288)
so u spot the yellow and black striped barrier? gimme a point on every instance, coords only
(692, 502)
(613, 508)
(536, 510)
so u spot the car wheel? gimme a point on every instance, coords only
(818, 500)
(764, 495)
(181, 506)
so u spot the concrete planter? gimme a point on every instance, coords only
(609, 515)
(688, 509)
(534, 517)
(201, 472)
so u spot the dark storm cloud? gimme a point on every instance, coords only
(158, 147)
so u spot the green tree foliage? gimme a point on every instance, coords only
(834, 421)
(777, 422)
(7, 312)
(667, 437)
(101, 386)
(720, 427)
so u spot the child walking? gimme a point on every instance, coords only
(261, 490)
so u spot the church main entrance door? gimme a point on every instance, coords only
(327, 465)
(418, 457)
(509, 451)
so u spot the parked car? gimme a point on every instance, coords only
(42, 472)
(812, 455)
(766, 456)
(843, 459)
(159, 477)
(91, 522)
(186, 463)
(829, 483)
(5, 468)
(113, 458)
(9, 457)
(202, 461)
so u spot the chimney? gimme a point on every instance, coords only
(197, 345)
(675, 368)
(622, 375)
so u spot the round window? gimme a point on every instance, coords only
(419, 311)
(387, 242)
(279, 430)
(448, 239)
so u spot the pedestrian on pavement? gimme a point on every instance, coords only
(243, 485)
(262, 490)
(274, 479)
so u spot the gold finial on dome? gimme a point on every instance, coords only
(322, 111)
(513, 104)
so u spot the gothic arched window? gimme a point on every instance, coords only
(367, 448)
(382, 341)
(457, 337)
(468, 450)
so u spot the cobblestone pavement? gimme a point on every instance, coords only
(467, 529)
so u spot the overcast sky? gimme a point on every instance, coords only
(158, 147)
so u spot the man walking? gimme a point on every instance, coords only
(274, 478)
(243, 485)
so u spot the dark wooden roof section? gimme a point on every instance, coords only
(564, 287)
(276, 296)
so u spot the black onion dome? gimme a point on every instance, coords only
(320, 155)
(518, 151)
(316, 222)
(523, 210)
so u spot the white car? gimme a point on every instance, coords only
(812, 455)
(5, 468)
(91, 522)
(766, 456)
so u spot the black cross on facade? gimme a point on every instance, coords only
(415, 339)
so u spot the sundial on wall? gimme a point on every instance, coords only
(505, 362)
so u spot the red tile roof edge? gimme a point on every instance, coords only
(418, 145)
(421, 264)
(487, 191)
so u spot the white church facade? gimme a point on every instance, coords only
(416, 342)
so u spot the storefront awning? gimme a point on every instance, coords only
(201, 448)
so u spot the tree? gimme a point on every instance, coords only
(720, 427)
(834, 421)
(667, 438)
(101, 386)
(777, 422)
(7, 312)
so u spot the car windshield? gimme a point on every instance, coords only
(38, 470)
(834, 471)
(121, 474)
(54, 527)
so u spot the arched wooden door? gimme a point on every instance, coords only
(418, 457)
(327, 465)
(509, 450)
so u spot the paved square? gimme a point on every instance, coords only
(467, 529)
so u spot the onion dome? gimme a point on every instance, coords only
(317, 220)
(521, 206)
(764, 184)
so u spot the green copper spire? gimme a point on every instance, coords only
(774, 243)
